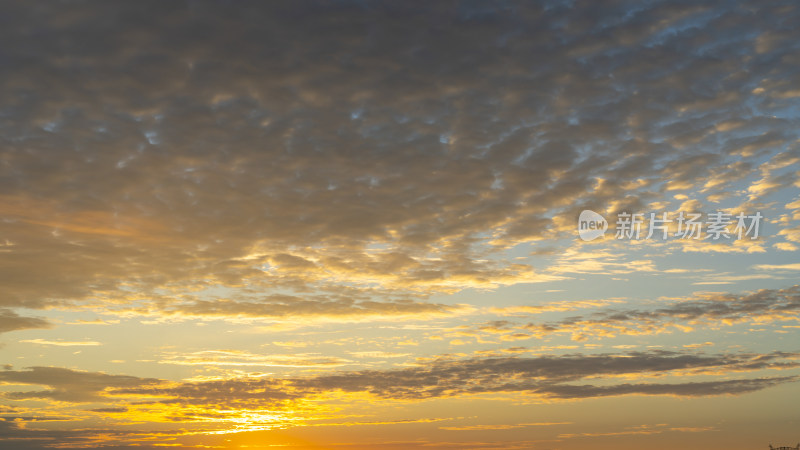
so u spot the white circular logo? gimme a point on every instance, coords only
(591, 225)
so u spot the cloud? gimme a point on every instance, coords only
(319, 153)
(378, 354)
(242, 358)
(599, 262)
(109, 410)
(640, 430)
(16, 433)
(61, 343)
(691, 389)
(552, 307)
(10, 321)
(67, 385)
(793, 266)
(763, 306)
(502, 426)
(325, 309)
(545, 376)
(255, 402)
(345, 162)
(728, 278)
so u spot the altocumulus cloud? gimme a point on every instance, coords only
(764, 306)
(295, 147)
(548, 376)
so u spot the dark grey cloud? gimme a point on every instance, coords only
(691, 389)
(548, 376)
(10, 321)
(66, 384)
(762, 306)
(155, 144)
(109, 410)
(15, 435)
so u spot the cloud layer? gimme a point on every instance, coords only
(546, 377)
(392, 146)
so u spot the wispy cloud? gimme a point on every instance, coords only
(763, 306)
(242, 358)
(61, 343)
(787, 267)
(639, 430)
(545, 376)
(502, 426)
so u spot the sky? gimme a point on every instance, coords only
(357, 224)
